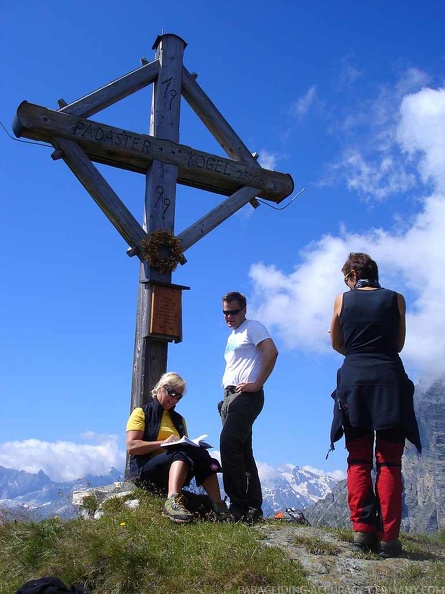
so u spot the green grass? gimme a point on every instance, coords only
(138, 551)
(315, 546)
(438, 538)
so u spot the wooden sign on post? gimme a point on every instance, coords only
(166, 312)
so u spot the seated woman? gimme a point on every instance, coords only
(152, 426)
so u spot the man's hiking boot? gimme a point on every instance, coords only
(366, 541)
(254, 516)
(175, 509)
(390, 548)
(221, 511)
(236, 515)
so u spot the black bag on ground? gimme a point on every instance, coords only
(50, 585)
(197, 503)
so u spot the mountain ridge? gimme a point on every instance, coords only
(37, 496)
(322, 497)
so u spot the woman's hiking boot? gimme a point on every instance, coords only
(175, 509)
(366, 541)
(390, 548)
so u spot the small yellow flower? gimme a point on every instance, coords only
(122, 524)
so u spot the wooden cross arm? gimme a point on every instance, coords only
(215, 217)
(215, 122)
(114, 91)
(135, 152)
(102, 193)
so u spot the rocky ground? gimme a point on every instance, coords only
(332, 564)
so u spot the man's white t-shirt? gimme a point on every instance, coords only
(243, 358)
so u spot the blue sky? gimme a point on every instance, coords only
(348, 99)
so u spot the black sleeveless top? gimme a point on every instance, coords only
(370, 321)
(373, 390)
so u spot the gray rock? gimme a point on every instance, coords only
(424, 501)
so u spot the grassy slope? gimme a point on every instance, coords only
(139, 551)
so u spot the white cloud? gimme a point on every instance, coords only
(267, 473)
(422, 131)
(67, 461)
(267, 160)
(216, 454)
(412, 258)
(301, 311)
(63, 460)
(348, 73)
(411, 81)
(376, 162)
(377, 180)
(302, 106)
(338, 475)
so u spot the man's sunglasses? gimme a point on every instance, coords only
(173, 393)
(232, 312)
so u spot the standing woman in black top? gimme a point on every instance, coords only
(373, 402)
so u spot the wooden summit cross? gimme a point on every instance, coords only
(79, 141)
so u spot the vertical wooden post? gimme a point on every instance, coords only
(150, 355)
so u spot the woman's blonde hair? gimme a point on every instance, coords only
(172, 379)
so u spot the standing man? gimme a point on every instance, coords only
(250, 358)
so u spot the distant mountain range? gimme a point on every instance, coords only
(29, 495)
(293, 486)
(424, 499)
(322, 497)
(37, 496)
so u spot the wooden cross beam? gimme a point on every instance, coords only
(136, 152)
(80, 141)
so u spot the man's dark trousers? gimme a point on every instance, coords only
(240, 474)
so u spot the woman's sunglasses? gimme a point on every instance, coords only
(173, 393)
(346, 277)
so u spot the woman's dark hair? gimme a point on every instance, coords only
(363, 265)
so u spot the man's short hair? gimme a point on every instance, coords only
(235, 296)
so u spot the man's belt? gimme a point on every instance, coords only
(229, 390)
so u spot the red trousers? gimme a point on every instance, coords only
(376, 509)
